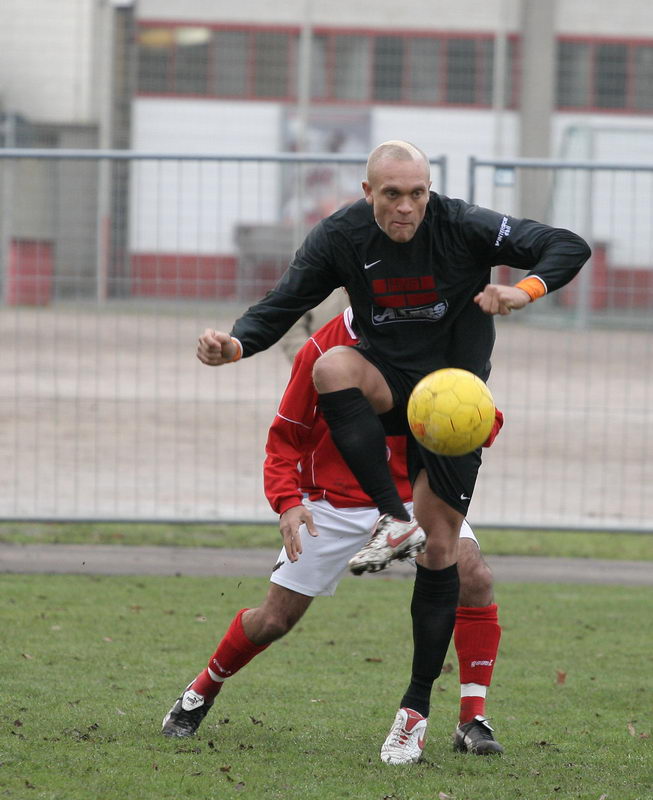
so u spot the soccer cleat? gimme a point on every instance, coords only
(476, 737)
(185, 716)
(406, 739)
(391, 539)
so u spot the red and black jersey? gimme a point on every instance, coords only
(413, 301)
(301, 457)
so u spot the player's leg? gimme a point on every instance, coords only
(433, 613)
(353, 392)
(476, 636)
(293, 586)
(250, 632)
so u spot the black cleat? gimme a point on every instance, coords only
(185, 717)
(476, 737)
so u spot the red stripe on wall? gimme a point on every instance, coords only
(161, 275)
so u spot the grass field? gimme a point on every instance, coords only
(565, 544)
(90, 665)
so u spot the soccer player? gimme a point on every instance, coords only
(310, 487)
(312, 321)
(417, 268)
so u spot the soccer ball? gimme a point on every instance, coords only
(451, 412)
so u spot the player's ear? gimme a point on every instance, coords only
(367, 189)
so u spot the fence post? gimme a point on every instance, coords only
(471, 179)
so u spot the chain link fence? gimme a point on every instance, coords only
(114, 262)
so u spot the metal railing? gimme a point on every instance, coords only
(113, 262)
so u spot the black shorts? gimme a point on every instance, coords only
(451, 478)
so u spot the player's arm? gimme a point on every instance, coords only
(551, 256)
(287, 440)
(496, 427)
(216, 348)
(311, 277)
(289, 523)
(501, 299)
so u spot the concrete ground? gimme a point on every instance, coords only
(146, 432)
(205, 561)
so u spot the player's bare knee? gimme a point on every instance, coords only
(439, 552)
(275, 624)
(330, 372)
(476, 582)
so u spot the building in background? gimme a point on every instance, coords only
(168, 168)
(505, 78)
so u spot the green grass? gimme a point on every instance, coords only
(569, 544)
(173, 535)
(89, 666)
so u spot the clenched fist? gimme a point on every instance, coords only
(216, 348)
(499, 299)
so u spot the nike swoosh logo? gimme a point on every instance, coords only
(463, 496)
(395, 542)
(367, 266)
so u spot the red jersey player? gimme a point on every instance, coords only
(324, 518)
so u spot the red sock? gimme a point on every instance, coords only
(234, 651)
(476, 637)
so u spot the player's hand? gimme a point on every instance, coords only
(216, 348)
(496, 427)
(499, 299)
(289, 524)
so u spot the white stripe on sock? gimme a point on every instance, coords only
(471, 690)
(214, 676)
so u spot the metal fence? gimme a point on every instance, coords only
(114, 262)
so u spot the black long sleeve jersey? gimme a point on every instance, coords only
(413, 301)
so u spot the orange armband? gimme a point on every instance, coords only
(239, 351)
(534, 287)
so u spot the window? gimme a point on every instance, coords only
(388, 68)
(423, 66)
(605, 75)
(611, 76)
(461, 75)
(191, 60)
(469, 71)
(350, 68)
(230, 63)
(643, 84)
(573, 83)
(155, 51)
(319, 68)
(484, 69)
(271, 58)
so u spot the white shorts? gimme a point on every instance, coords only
(343, 531)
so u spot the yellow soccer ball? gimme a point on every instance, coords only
(451, 412)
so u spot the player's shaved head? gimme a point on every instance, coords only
(396, 150)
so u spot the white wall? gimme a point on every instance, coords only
(621, 203)
(419, 14)
(48, 48)
(46, 59)
(583, 17)
(194, 207)
(605, 17)
(205, 126)
(456, 134)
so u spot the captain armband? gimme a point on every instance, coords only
(534, 287)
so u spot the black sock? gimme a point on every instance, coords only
(433, 609)
(359, 436)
